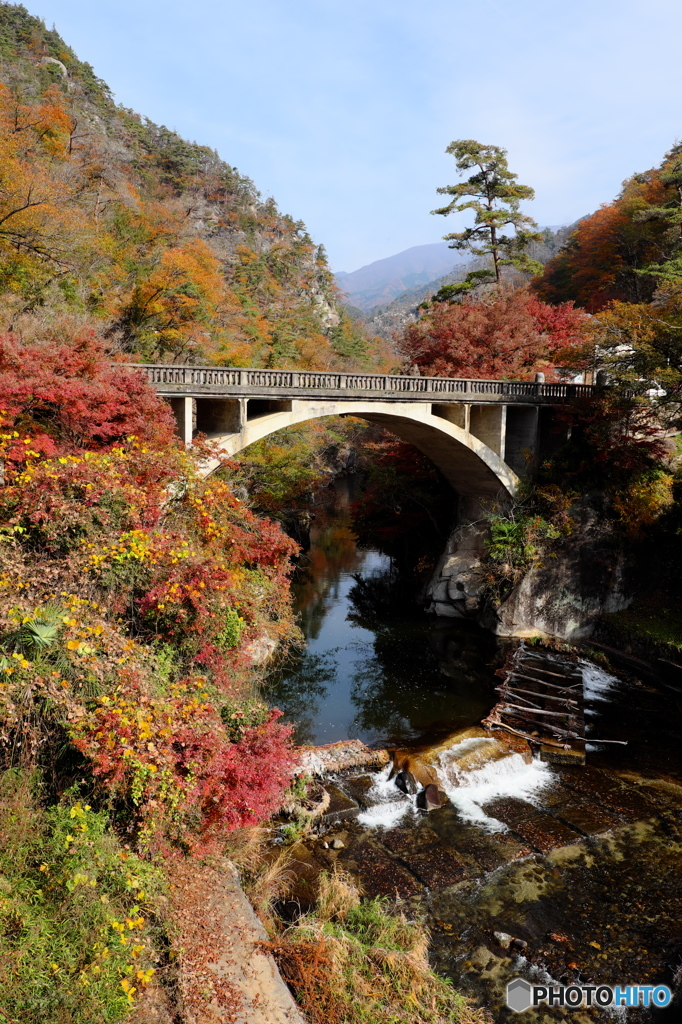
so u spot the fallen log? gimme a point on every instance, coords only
(559, 675)
(528, 736)
(552, 729)
(505, 694)
(540, 711)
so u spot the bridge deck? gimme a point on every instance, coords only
(231, 382)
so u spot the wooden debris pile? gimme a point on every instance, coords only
(541, 700)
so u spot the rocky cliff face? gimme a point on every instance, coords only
(563, 594)
(456, 587)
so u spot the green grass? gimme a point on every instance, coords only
(353, 961)
(75, 937)
(661, 625)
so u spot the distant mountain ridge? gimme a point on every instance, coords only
(378, 283)
(384, 320)
(416, 273)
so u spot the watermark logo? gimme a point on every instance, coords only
(521, 995)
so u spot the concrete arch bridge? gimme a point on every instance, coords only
(480, 433)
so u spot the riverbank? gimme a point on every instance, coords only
(511, 876)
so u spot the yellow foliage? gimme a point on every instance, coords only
(642, 503)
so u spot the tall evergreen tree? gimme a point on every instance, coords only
(669, 213)
(493, 193)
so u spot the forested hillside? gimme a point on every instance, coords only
(165, 249)
(625, 250)
(623, 265)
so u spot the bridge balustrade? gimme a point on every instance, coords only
(222, 378)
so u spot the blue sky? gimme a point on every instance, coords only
(342, 110)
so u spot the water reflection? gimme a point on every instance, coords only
(375, 667)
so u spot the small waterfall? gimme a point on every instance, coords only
(472, 772)
(469, 790)
(598, 684)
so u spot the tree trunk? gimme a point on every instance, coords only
(496, 256)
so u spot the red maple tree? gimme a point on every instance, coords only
(64, 389)
(510, 335)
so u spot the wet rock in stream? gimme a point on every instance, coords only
(422, 851)
(510, 810)
(606, 791)
(431, 798)
(406, 782)
(587, 820)
(381, 875)
(545, 833)
(340, 805)
(358, 788)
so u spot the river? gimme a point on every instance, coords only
(375, 667)
(583, 866)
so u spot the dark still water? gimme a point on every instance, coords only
(375, 667)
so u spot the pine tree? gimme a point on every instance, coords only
(669, 213)
(493, 194)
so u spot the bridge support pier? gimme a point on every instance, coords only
(460, 415)
(521, 446)
(489, 424)
(183, 410)
(220, 415)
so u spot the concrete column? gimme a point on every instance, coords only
(459, 414)
(522, 437)
(183, 410)
(219, 416)
(488, 423)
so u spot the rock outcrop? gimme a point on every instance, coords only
(456, 587)
(563, 593)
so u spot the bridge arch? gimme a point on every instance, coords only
(468, 464)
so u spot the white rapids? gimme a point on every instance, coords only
(470, 789)
(598, 684)
(469, 783)
(388, 804)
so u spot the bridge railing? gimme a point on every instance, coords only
(222, 377)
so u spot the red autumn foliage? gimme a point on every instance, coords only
(508, 336)
(242, 782)
(168, 579)
(171, 755)
(67, 391)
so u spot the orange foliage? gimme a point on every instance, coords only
(178, 261)
(598, 264)
(37, 205)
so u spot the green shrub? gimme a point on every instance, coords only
(233, 624)
(240, 715)
(75, 907)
